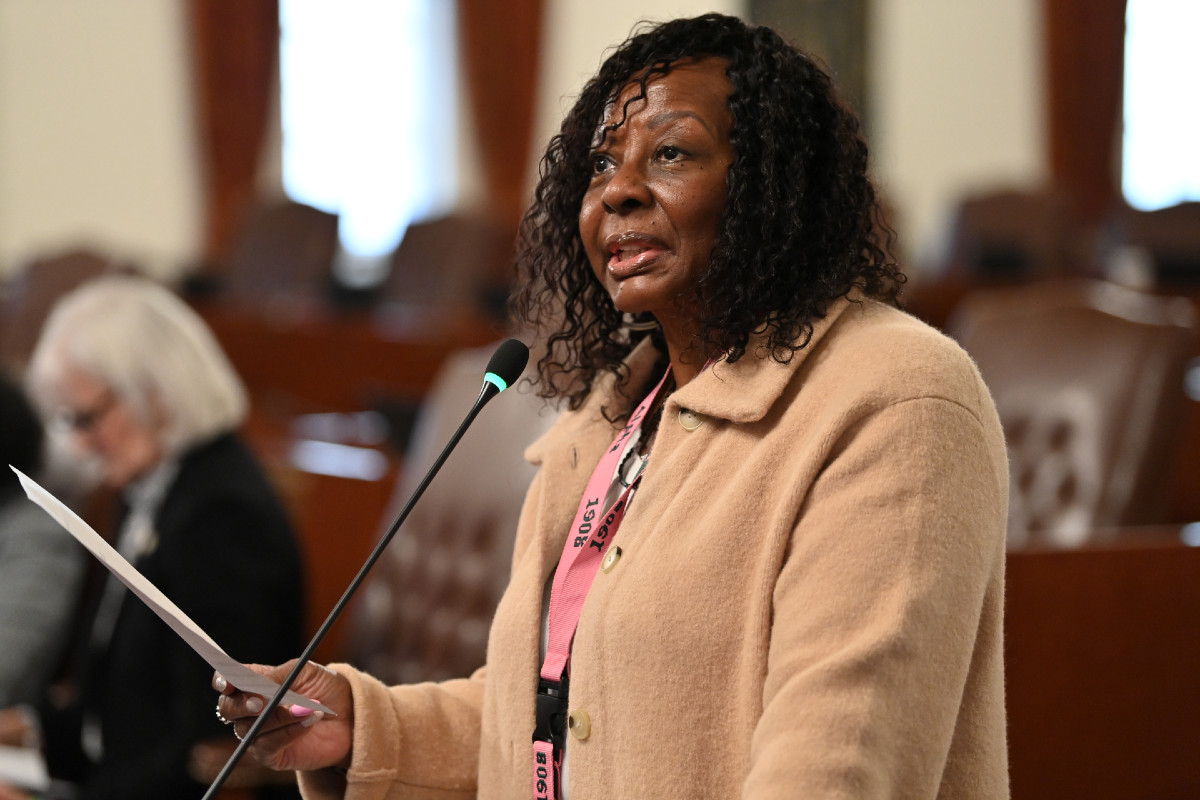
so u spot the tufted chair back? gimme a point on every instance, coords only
(425, 610)
(1088, 380)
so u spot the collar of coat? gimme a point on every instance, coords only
(741, 392)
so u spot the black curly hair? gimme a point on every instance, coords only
(802, 225)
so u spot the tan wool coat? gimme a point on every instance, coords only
(808, 601)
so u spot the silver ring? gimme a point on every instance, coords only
(222, 718)
(236, 735)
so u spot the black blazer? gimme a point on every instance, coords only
(227, 557)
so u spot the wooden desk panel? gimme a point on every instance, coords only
(1103, 671)
(337, 520)
(338, 363)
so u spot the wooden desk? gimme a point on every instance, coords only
(328, 362)
(340, 362)
(1103, 669)
(337, 518)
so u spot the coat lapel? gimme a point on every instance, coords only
(745, 390)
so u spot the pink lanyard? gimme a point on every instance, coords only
(582, 554)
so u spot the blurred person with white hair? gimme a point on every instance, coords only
(137, 381)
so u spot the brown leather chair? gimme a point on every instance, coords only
(998, 237)
(447, 263)
(1088, 380)
(424, 611)
(1009, 234)
(29, 296)
(1168, 239)
(281, 260)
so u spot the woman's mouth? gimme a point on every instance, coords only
(629, 257)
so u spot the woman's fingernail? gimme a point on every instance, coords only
(301, 711)
(254, 705)
(312, 719)
(219, 682)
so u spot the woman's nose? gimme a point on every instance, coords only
(627, 190)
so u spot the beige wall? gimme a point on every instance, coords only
(957, 105)
(96, 140)
(583, 33)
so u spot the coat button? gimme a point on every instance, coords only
(689, 419)
(610, 559)
(579, 724)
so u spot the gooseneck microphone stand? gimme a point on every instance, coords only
(503, 369)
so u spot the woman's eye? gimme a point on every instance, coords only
(600, 163)
(670, 153)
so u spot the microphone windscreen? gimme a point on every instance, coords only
(508, 362)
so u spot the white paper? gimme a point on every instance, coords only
(234, 671)
(23, 767)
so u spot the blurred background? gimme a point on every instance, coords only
(336, 188)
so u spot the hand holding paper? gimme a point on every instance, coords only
(240, 676)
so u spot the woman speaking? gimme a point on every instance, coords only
(764, 552)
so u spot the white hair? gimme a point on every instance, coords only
(151, 350)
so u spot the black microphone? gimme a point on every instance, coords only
(503, 370)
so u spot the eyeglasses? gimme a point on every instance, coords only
(86, 419)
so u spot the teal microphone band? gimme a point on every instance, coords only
(495, 380)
